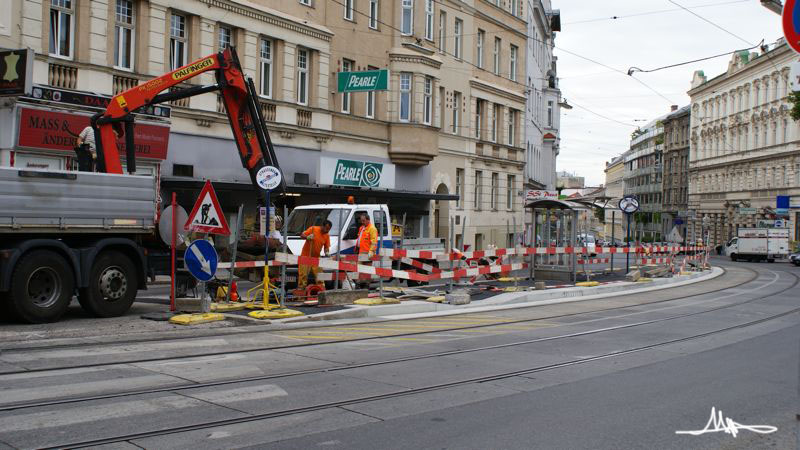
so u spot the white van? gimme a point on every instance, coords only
(345, 218)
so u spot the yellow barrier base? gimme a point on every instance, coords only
(223, 307)
(685, 273)
(587, 283)
(434, 299)
(376, 301)
(644, 280)
(195, 319)
(260, 305)
(515, 289)
(275, 314)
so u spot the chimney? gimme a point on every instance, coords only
(673, 108)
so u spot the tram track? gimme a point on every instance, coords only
(118, 438)
(338, 368)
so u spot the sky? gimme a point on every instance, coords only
(647, 34)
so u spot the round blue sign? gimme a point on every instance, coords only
(201, 260)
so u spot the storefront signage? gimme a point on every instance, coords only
(40, 129)
(16, 72)
(370, 80)
(348, 172)
(534, 195)
(747, 211)
(91, 100)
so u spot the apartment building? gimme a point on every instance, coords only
(615, 171)
(743, 144)
(643, 178)
(675, 183)
(447, 136)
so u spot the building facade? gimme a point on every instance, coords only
(744, 150)
(675, 184)
(615, 190)
(449, 125)
(643, 179)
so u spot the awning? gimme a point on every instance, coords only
(339, 191)
(558, 204)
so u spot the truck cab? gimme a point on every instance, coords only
(345, 220)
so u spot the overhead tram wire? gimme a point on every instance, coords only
(649, 13)
(632, 70)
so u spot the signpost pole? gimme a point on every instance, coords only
(266, 251)
(234, 247)
(283, 249)
(613, 228)
(174, 238)
(628, 245)
(338, 283)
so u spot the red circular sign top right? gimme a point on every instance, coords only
(791, 24)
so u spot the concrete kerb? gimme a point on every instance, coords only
(419, 309)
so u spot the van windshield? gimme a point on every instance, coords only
(301, 219)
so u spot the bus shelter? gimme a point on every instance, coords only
(555, 224)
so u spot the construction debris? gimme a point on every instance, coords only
(633, 275)
(341, 296)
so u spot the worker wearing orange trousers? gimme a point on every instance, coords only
(317, 239)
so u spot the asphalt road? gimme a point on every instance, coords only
(624, 375)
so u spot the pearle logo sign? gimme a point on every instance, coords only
(357, 173)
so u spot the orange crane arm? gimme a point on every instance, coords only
(239, 97)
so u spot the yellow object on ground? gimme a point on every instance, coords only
(195, 319)
(435, 299)
(515, 289)
(376, 301)
(644, 280)
(685, 273)
(217, 307)
(281, 313)
(260, 305)
(510, 279)
(587, 283)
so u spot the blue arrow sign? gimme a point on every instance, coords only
(201, 260)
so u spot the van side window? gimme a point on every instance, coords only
(355, 224)
(380, 222)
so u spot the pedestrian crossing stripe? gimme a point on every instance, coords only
(207, 216)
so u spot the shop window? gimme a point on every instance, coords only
(182, 170)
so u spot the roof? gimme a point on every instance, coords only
(557, 204)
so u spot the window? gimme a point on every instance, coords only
(478, 241)
(429, 20)
(550, 113)
(347, 66)
(427, 115)
(495, 190)
(512, 126)
(305, 2)
(61, 28)
(373, 14)
(457, 33)
(407, 17)
(348, 9)
(442, 32)
(497, 43)
(459, 187)
(225, 37)
(478, 196)
(512, 74)
(510, 185)
(456, 112)
(302, 76)
(479, 106)
(123, 34)
(266, 67)
(495, 119)
(481, 39)
(515, 7)
(177, 41)
(405, 97)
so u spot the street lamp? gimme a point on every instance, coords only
(773, 5)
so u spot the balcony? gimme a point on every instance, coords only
(413, 144)
(61, 76)
(122, 83)
(304, 118)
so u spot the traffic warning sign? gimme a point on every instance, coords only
(207, 216)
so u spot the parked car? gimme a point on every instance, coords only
(794, 258)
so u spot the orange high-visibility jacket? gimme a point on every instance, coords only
(367, 238)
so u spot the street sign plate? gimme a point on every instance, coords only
(268, 177)
(165, 225)
(629, 204)
(207, 216)
(201, 260)
(791, 23)
(369, 80)
(746, 211)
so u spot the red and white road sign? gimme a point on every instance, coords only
(207, 216)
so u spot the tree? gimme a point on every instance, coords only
(794, 99)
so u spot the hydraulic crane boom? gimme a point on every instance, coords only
(238, 94)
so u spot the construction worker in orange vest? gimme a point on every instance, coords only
(317, 238)
(367, 242)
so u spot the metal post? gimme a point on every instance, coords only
(337, 284)
(463, 233)
(265, 288)
(533, 243)
(234, 244)
(174, 239)
(574, 238)
(449, 252)
(628, 244)
(613, 228)
(514, 239)
(380, 259)
(283, 248)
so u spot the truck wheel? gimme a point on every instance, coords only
(771, 260)
(733, 256)
(112, 286)
(41, 287)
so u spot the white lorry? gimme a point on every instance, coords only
(759, 244)
(345, 219)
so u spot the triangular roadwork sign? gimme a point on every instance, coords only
(207, 216)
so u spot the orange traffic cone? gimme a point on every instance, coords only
(234, 292)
